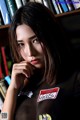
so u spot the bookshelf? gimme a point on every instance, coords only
(5, 57)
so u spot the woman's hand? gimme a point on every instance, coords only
(20, 72)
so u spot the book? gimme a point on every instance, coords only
(1, 19)
(24, 2)
(8, 80)
(76, 4)
(1, 102)
(59, 7)
(18, 3)
(1, 75)
(55, 6)
(32, 0)
(69, 5)
(4, 12)
(4, 61)
(40, 1)
(45, 3)
(2, 92)
(11, 5)
(3, 88)
(50, 5)
(63, 5)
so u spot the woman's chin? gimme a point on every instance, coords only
(38, 66)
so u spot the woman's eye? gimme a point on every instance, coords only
(20, 44)
(35, 41)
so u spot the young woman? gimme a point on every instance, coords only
(38, 58)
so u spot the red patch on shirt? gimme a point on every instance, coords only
(48, 94)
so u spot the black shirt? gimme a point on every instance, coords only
(60, 102)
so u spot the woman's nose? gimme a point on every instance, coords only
(29, 50)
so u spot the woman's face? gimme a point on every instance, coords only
(29, 46)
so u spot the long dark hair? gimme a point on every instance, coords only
(43, 23)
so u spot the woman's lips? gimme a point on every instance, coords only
(35, 61)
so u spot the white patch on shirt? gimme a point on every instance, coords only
(48, 94)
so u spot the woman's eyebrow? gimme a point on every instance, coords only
(19, 41)
(32, 37)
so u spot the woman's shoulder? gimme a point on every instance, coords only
(72, 84)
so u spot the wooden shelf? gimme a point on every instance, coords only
(77, 11)
(4, 26)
